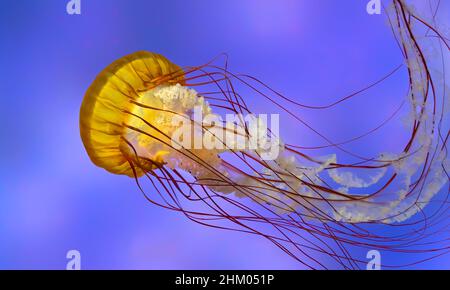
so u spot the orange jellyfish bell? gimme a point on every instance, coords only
(110, 96)
(143, 115)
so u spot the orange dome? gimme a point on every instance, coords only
(102, 112)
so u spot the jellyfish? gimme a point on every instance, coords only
(162, 125)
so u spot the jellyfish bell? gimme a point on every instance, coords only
(107, 105)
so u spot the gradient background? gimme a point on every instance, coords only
(53, 199)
